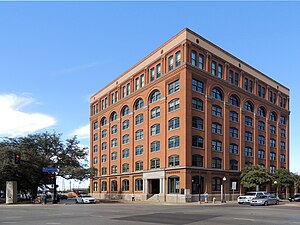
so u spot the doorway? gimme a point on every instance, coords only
(154, 186)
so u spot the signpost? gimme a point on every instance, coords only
(52, 170)
(233, 187)
(49, 170)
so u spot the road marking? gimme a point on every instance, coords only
(244, 219)
(13, 217)
(53, 223)
(8, 222)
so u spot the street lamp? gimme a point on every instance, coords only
(275, 183)
(223, 198)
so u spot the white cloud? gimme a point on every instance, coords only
(16, 122)
(82, 132)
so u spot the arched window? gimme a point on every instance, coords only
(138, 104)
(113, 116)
(234, 165)
(103, 121)
(103, 186)
(261, 112)
(155, 163)
(114, 169)
(103, 158)
(138, 185)
(234, 100)
(217, 94)
(114, 185)
(173, 160)
(173, 142)
(125, 185)
(114, 156)
(173, 105)
(197, 141)
(197, 123)
(197, 104)
(216, 163)
(197, 160)
(173, 185)
(155, 96)
(249, 106)
(273, 116)
(125, 110)
(216, 184)
(125, 168)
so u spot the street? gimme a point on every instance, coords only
(143, 213)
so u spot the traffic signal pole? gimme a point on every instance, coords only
(54, 190)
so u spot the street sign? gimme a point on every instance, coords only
(50, 170)
(234, 185)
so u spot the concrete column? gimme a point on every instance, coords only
(11, 192)
(145, 184)
(161, 187)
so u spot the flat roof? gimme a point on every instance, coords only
(187, 34)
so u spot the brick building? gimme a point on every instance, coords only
(181, 119)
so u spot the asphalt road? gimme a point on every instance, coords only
(147, 214)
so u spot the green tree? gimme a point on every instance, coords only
(255, 176)
(38, 151)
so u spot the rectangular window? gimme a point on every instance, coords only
(113, 98)
(246, 84)
(128, 89)
(116, 96)
(213, 67)
(236, 79)
(251, 86)
(271, 96)
(231, 76)
(142, 80)
(158, 71)
(152, 76)
(259, 90)
(197, 85)
(173, 87)
(171, 63)
(106, 102)
(124, 92)
(178, 58)
(220, 71)
(194, 58)
(137, 83)
(201, 62)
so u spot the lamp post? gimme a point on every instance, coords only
(223, 198)
(275, 183)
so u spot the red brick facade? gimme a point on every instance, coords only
(203, 108)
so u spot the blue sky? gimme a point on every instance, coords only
(54, 55)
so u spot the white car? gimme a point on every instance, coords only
(249, 196)
(85, 198)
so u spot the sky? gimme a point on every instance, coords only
(55, 55)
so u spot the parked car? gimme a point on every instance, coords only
(249, 196)
(62, 197)
(85, 198)
(295, 198)
(265, 200)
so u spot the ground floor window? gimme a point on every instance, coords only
(197, 184)
(216, 184)
(95, 186)
(125, 185)
(138, 185)
(173, 184)
(114, 185)
(104, 186)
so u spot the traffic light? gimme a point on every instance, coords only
(17, 158)
(52, 178)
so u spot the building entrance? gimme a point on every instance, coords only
(154, 186)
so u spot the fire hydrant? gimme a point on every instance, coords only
(214, 200)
